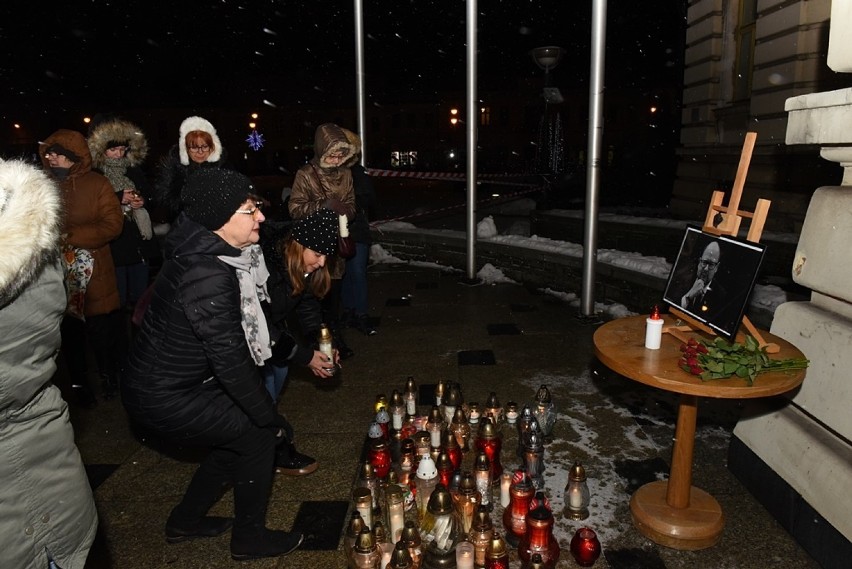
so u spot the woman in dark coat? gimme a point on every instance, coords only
(298, 279)
(198, 148)
(193, 376)
(118, 149)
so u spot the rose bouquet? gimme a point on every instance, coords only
(720, 359)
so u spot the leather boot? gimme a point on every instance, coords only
(291, 462)
(208, 526)
(263, 542)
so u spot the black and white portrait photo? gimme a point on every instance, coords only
(712, 279)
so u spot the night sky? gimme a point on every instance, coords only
(93, 54)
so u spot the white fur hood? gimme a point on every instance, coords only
(30, 225)
(198, 123)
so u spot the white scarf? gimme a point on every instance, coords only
(252, 275)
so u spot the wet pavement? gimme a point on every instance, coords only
(502, 338)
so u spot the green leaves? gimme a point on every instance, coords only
(720, 359)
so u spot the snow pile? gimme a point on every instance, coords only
(486, 228)
(489, 274)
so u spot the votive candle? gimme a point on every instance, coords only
(464, 555)
(505, 485)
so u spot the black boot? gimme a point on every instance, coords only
(362, 324)
(339, 343)
(264, 542)
(291, 462)
(208, 526)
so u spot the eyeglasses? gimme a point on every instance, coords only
(708, 263)
(199, 149)
(252, 212)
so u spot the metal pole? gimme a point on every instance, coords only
(471, 121)
(359, 77)
(593, 165)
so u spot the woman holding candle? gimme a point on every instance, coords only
(326, 182)
(298, 280)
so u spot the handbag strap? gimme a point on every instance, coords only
(318, 177)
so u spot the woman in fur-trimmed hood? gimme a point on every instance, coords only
(118, 149)
(46, 497)
(326, 182)
(112, 132)
(198, 147)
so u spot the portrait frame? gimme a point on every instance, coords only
(726, 298)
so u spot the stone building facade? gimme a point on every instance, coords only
(743, 60)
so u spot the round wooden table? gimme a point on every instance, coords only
(674, 513)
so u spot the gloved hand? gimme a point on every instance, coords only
(339, 207)
(281, 350)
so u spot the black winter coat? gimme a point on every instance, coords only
(365, 202)
(190, 375)
(283, 305)
(171, 177)
(129, 248)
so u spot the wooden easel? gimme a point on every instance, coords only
(726, 220)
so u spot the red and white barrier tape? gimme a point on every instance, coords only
(452, 207)
(460, 176)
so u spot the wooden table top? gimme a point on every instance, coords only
(620, 345)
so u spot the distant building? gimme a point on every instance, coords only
(743, 59)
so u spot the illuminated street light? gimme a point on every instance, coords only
(547, 58)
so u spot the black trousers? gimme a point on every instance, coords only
(247, 462)
(107, 337)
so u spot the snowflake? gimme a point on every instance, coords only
(255, 140)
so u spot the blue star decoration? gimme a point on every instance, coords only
(255, 140)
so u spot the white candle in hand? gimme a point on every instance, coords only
(343, 221)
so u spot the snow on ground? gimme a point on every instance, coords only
(767, 297)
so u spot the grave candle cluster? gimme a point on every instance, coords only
(433, 492)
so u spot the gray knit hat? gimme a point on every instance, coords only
(212, 195)
(318, 231)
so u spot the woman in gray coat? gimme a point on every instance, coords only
(46, 505)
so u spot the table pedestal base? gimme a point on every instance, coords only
(697, 526)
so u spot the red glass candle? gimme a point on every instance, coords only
(515, 515)
(380, 457)
(445, 469)
(451, 447)
(585, 547)
(539, 537)
(496, 553)
(490, 441)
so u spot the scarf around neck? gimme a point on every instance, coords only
(252, 275)
(115, 170)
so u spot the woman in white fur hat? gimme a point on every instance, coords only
(198, 147)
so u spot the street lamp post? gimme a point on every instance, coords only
(549, 154)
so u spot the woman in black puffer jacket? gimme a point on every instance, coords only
(192, 376)
(198, 149)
